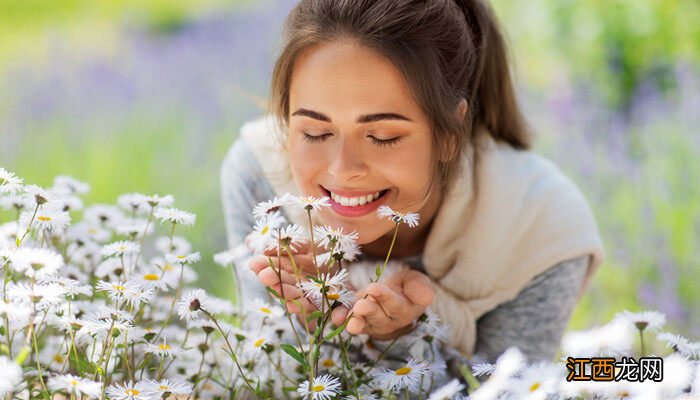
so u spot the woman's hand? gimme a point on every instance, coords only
(391, 307)
(297, 303)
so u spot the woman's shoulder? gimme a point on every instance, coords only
(526, 171)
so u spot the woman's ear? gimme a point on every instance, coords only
(462, 108)
(449, 150)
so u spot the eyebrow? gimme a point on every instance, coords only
(362, 119)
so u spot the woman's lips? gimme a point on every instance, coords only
(359, 210)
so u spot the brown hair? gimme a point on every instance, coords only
(447, 50)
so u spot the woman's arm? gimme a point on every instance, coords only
(535, 320)
(243, 186)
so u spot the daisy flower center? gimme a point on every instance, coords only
(119, 288)
(162, 387)
(151, 277)
(259, 342)
(74, 382)
(164, 346)
(318, 388)
(333, 296)
(265, 230)
(328, 363)
(132, 392)
(168, 267)
(58, 358)
(265, 310)
(181, 257)
(403, 371)
(535, 386)
(44, 218)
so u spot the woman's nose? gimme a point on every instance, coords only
(347, 163)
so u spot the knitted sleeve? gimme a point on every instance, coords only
(240, 191)
(535, 320)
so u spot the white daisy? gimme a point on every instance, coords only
(614, 338)
(133, 202)
(680, 344)
(75, 385)
(448, 391)
(292, 235)
(507, 365)
(38, 194)
(47, 218)
(537, 381)
(119, 290)
(228, 257)
(263, 309)
(261, 237)
(45, 295)
(133, 227)
(271, 206)
(326, 236)
(10, 375)
(18, 314)
(183, 258)
(68, 203)
(179, 245)
(164, 350)
(9, 182)
(120, 248)
(103, 215)
(151, 278)
(189, 305)
(69, 185)
(483, 369)
(644, 320)
(407, 376)
(158, 388)
(410, 218)
(174, 216)
(323, 387)
(16, 202)
(310, 202)
(343, 253)
(160, 201)
(127, 391)
(73, 287)
(36, 262)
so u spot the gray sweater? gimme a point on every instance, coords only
(534, 321)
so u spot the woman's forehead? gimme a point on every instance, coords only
(344, 77)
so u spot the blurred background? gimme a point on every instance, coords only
(147, 96)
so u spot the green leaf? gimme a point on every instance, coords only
(334, 333)
(274, 292)
(292, 351)
(314, 315)
(79, 363)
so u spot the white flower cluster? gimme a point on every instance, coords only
(90, 307)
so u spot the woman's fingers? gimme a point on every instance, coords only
(299, 249)
(371, 312)
(356, 325)
(304, 264)
(417, 289)
(388, 300)
(269, 277)
(339, 314)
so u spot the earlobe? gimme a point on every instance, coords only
(462, 108)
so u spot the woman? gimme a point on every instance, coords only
(410, 104)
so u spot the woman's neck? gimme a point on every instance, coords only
(409, 241)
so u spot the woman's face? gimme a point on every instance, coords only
(355, 130)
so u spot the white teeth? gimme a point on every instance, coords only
(354, 201)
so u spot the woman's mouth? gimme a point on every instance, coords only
(355, 206)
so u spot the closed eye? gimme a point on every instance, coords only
(379, 142)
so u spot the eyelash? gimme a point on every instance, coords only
(380, 143)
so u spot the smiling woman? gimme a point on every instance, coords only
(410, 105)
